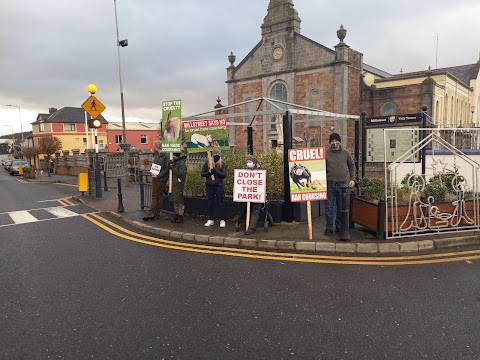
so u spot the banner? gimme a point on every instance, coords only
(206, 135)
(308, 176)
(249, 185)
(171, 126)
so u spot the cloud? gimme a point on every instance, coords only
(51, 50)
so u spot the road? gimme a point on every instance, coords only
(75, 285)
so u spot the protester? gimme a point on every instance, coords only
(251, 163)
(159, 182)
(339, 165)
(179, 172)
(215, 188)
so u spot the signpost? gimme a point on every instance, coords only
(94, 107)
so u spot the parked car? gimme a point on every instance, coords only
(7, 164)
(16, 164)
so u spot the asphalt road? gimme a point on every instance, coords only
(70, 289)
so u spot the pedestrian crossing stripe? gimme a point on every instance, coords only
(26, 216)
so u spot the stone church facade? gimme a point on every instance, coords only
(288, 66)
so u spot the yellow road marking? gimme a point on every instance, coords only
(254, 254)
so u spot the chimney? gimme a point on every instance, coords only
(51, 110)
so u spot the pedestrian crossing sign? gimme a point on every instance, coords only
(93, 106)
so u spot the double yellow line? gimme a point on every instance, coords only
(121, 232)
(65, 201)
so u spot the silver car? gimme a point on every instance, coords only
(16, 164)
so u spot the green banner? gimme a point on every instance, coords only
(171, 125)
(206, 135)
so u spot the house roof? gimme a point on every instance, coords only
(376, 71)
(69, 115)
(463, 73)
(133, 126)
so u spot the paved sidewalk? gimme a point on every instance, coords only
(281, 236)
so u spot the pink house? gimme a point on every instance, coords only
(140, 135)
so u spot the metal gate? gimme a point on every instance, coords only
(115, 165)
(443, 198)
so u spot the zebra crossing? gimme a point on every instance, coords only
(34, 215)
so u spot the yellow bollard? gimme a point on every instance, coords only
(20, 170)
(82, 182)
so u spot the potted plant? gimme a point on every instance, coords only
(29, 172)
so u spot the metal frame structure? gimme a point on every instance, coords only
(425, 216)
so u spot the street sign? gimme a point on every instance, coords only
(93, 106)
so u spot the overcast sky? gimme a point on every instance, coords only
(51, 50)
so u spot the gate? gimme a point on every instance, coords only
(115, 165)
(441, 199)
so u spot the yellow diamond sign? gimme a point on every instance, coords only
(93, 106)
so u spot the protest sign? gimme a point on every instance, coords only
(249, 185)
(308, 177)
(171, 126)
(206, 135)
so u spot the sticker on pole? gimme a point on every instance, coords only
(249, 185)
(308, 175)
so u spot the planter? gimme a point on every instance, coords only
(32, 174)
(300, 210)
(372, 216)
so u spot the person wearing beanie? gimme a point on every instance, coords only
(339, 164)
(251, 163)
(214, 177)
(179, 173)
(159, 182)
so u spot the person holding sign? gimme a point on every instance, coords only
(214, 173)
(339, 164)
(179, 172)
(159, 171)
(251, 163)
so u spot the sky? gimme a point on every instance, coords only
(52, 50)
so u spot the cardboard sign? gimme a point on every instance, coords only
(308, 176)
(249, 185)
(171, 126)
(155, 169)
(206, 135)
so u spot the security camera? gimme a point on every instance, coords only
(123, 43)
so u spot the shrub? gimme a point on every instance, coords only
(272, 162)
(372, 189)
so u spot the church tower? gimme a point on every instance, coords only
(281, 16)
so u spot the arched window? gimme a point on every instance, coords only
(437, 112)
(278, 92)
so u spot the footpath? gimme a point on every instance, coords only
(281, 236)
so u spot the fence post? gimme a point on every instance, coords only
(381, 219)
(142, 193)
(120, 200)
(105, 179)
(344, 232)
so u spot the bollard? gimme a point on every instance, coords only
(142, 193)
(344, 232)
(105, 188)
(120, 201)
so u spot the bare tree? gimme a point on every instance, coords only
(49, 145)
(30, 153)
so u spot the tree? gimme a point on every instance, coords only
(29, 153)
(49, 145)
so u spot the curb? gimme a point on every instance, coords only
(309, 246)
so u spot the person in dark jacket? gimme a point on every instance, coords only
(179, 173)
(251, 163)
(214, 187)
(339, 164)
(159, 182)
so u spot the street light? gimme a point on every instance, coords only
(120, 43)
(20, 114)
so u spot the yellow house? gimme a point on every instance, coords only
(68, 124)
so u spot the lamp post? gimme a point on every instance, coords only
(120, 43)
(19, 114)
